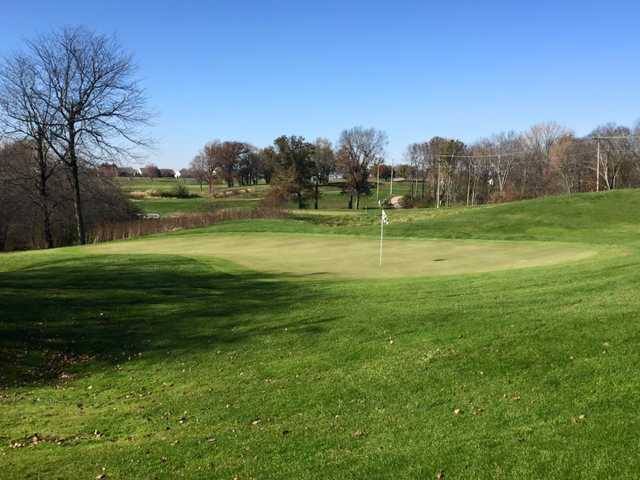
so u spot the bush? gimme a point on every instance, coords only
(137, 228)
(181, 191)
(407, 202)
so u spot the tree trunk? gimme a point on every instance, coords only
(350, 206)
(48, 235)
(72, 161)
(44, 196)
(357, 201)
(82, 235)
(317, 194)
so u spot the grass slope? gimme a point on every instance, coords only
(186, 365)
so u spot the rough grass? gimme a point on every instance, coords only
(186, 365)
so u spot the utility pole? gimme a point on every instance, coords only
(598, 166)
(438, 182)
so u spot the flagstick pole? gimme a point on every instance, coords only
(381, 237)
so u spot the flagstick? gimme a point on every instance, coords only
(391, 193)
(381, 237)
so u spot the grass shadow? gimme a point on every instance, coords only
(96, 309)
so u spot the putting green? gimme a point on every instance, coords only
(353, 257)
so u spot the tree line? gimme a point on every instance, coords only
(294, 167)
(545, 159)
(68, 101)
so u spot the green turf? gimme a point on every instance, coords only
(178, 363)
(179, 206)
(344, 257)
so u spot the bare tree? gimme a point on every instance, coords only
(207, 162)
(570, 161)
(358, 150)
(618, 154)
(89, 81)
(538, 142)
(419, 156)
(27, 116)
(506, 147)
(324, 159)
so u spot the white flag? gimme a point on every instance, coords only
(385, 218)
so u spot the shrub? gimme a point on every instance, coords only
(181, 191)
(136, 228)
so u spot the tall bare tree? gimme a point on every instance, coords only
(538, 142)
(89, 82)
(28, 116)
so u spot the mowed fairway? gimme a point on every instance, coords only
(274, 349)
(349, 257)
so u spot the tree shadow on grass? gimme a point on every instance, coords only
(96, 309)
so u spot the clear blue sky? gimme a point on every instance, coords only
(253, 70)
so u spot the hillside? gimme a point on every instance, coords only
(175, 356)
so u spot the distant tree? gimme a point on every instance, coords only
(419, 156)
(230, 155)
(107, 169)
(385, 171)
(294, 167)
(324, 163)
(618, 154)
(269, 160)
(358, 150)
(449, 163)
(570, 159)
(250, 166)
(538, 142)
(150, 171)
(324, 159)
(503, 149)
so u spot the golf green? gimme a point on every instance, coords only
(357, 257)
